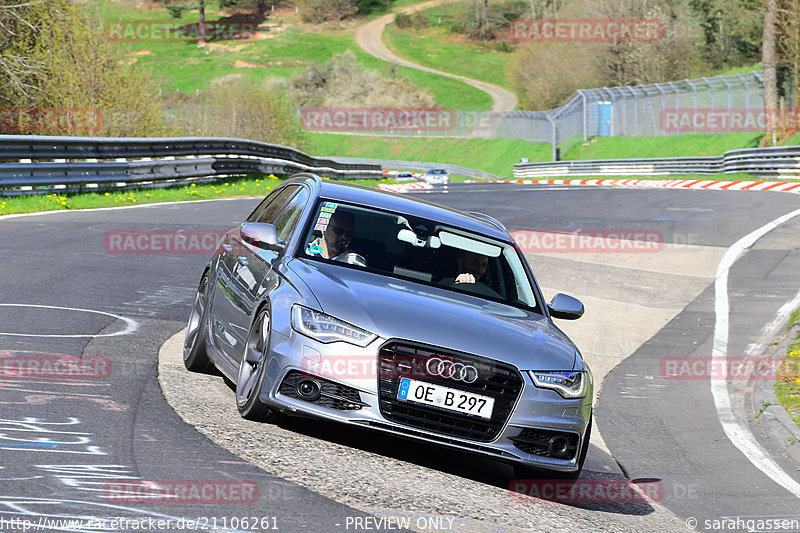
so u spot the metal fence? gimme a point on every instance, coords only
(719, 104)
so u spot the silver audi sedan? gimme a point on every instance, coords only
(392, 313)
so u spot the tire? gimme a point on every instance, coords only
(251, 372)
(526, 472)
(195, 355)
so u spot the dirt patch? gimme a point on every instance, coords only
(269, 31)
(244, 64)
(141, 53)
(152, 5)
(219, 47)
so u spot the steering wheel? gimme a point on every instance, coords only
(351, 258)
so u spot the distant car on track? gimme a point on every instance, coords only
(392, 313)
(436, 176)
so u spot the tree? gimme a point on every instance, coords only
(769, 60)
(177, 8)
(788, 57)
(73, 71)
(19, 65)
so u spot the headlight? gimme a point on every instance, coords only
(326, 328)
(568, 384)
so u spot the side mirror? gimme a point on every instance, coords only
(262, 236)
(566, 307)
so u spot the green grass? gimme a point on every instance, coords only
(738, 70)
(187, 68)
(675, 146)
(791, 141)
(254, 185)
(496, 156)
(787, 385)
(436, 47)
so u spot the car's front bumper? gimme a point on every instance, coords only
(535, 414)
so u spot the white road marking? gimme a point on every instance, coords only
(773, 327)
(738, 434)
(130, 325)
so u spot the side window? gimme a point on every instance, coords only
(269, 214)
(289, 217)
(257, 211)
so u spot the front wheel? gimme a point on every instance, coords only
(195, 354)
(251, 372)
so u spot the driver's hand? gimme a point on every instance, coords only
(465, 278)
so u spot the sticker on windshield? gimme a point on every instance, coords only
(332, 205)
(324, 215)
(328, 209)
(320, 227)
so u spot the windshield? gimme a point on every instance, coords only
(420, 250)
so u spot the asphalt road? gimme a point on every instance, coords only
(66, 441)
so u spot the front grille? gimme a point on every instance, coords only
(500, 381)
(537, 441)
(334, 395)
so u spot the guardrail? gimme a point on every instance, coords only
(782, 161)
(36, 161)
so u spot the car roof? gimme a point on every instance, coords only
(358, 194)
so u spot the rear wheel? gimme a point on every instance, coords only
(195, 356)
(251, 372)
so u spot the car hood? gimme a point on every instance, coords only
(395, 308)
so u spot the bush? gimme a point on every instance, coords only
(238, 107)
(403, 21)
(176, 10)
(416, 21)
(319, 11)
(344, 82)
(76, 72)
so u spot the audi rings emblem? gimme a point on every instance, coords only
(445, 368)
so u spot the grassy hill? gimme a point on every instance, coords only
(283, 46)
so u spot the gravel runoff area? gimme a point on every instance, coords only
(344, 464)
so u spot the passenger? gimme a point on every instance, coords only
(471, 268)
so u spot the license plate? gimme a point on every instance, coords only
(445, 397)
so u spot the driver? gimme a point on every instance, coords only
(335, 240)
